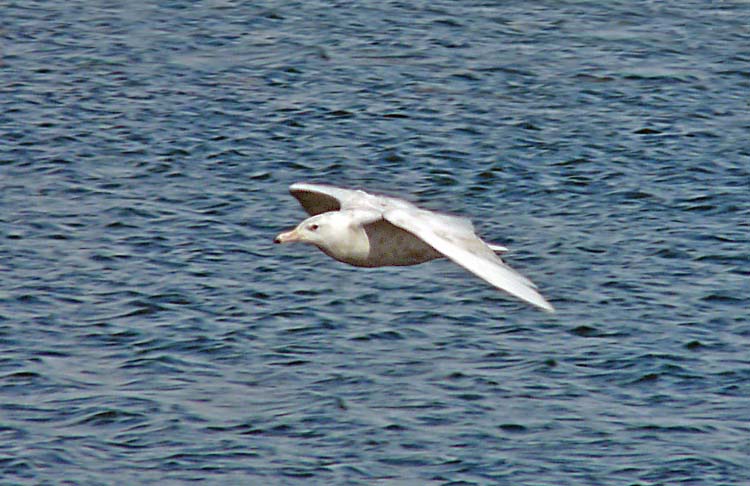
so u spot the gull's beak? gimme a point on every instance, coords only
(288, 237)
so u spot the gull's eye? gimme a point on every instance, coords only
(313, 227)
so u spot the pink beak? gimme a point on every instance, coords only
(288, 237)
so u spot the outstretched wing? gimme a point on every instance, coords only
(466, 249)
(322, 198)
(317, 198)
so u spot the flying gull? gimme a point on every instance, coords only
(368, 230)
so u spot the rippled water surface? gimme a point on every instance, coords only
(150, 331)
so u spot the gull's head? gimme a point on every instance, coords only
(317, 230)
(336, 233)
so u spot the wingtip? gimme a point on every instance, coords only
(296, 186)
(538, 301)
(307, 184)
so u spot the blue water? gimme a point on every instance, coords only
(150, 331)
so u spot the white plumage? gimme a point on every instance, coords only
(369, 230)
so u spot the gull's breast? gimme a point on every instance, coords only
(392, 246)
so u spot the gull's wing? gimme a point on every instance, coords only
(467, 250)
(322, 198)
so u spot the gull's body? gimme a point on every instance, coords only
(367, 230)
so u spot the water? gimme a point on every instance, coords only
(152, 333)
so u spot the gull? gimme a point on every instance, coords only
(370, 230)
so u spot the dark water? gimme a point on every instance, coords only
(150, 332)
